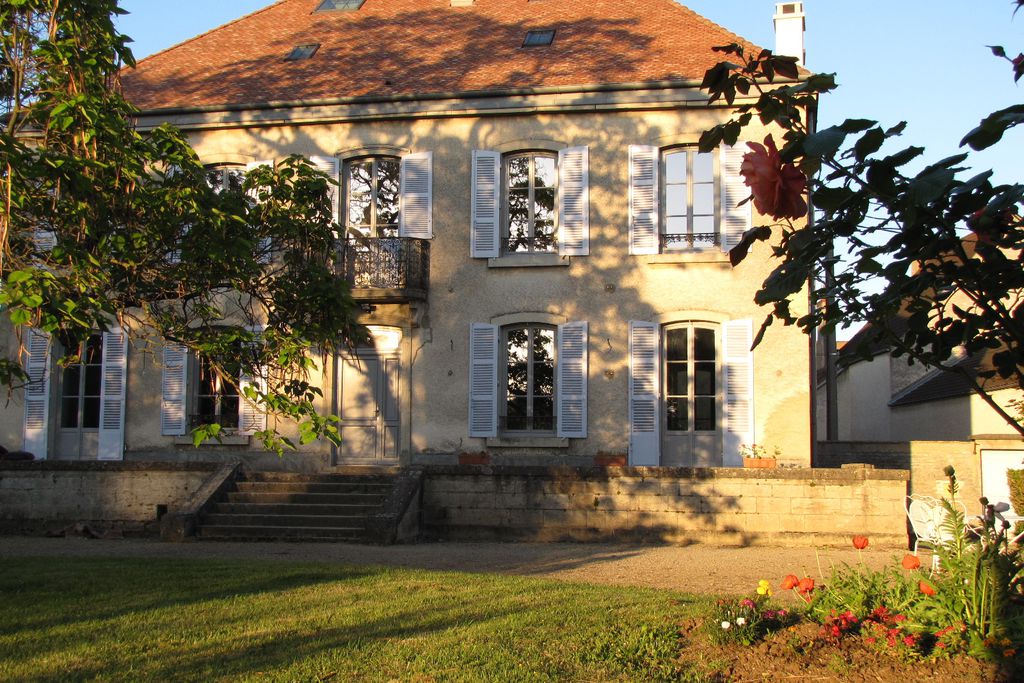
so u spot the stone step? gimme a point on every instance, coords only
(343, 510)
(360, 475)
(380, 488)
(280, 533)
(222, 519)
(275, 498)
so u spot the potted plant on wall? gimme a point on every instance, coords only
(756, 455)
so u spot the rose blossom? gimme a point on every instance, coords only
(778, 188)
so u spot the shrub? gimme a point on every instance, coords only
(1015, 479)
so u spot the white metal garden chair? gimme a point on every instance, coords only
(928, 519)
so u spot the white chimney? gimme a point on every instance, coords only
(789, 30)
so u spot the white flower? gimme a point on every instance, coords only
(726, 624)
(740, 621)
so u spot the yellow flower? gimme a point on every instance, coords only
(764, 588)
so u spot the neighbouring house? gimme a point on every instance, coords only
(537, 245)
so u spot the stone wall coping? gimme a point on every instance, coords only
(105, 466)
(859, 473)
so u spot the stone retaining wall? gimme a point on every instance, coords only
(50, 495)
(722, 506)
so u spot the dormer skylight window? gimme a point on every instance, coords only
(340, 5)
(539, 38)
(300, 52)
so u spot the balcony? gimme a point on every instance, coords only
(387, 269)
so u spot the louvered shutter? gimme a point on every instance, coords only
(37, 394)
(251, 416)
(415, 216)
(736, 220)
(112, 395)
(572, 380)
(739, 389)
(266, 244)
(574, 201)
(644, 391)
(483, 380)
(643, 199)
(45, 240)
(173, 390)
(485, 232)
(329, 165)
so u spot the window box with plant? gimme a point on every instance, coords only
(757, 456)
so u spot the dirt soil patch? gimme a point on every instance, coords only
(800, 653)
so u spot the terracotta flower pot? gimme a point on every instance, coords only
(759, 463)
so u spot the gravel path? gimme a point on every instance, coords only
(694, 568)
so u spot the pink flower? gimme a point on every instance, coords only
(778, 188)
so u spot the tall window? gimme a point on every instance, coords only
(690, 200)
(531, 182)
(216, 395)
(529, 379)
(222, 178)
(372, 189)
(691, 379)
(80, 387)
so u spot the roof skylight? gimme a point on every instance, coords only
(303, 52)
(539, 38)
(342, 5)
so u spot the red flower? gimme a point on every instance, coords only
(911, 561)
(926, 588)
(790, 582)
(860, 542)
(778, 188)
(806, 585)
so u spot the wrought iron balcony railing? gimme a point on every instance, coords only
(399, 265)
(690, 240)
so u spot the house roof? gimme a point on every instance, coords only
(941, 384)
(409, 48)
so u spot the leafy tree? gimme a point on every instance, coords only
(946, 246)
(102, 225)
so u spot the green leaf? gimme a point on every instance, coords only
(869, 143)
(20, 316)
(856, 125)
(825, 143)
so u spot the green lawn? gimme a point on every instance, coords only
(159, 620)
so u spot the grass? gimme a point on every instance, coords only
(193, 620)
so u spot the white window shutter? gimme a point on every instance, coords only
(572, 380)
(737, 337)
(574, 201)
(485, 232)
(112, 395)
(251, 416)
(329, 165)
(37, 394)
(735, 220)
(644, 394)
(483, 380)
(266, 244)
(416, 196)
(174, 385)
(643, 199)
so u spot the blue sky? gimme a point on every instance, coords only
(924, 61)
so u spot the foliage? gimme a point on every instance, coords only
(649, 653)
(861, 591)
(1015, 480)
(748, 620)
(945, 246)
(103, 225)
(756, 450)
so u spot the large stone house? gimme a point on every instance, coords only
(538, 247)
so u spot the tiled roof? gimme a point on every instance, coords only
(941, 384)
(392, 48)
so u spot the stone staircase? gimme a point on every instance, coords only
(360, 506)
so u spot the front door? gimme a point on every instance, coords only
(368, 406)
(691, 401)
(79, 410)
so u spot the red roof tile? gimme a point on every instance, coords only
(416, 47)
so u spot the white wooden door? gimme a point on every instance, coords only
(368, 407)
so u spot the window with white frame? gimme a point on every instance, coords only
(530, 194)
(691, 386)
(216, 399)
(689, 199)
(372, 187)
(529, 379)
(80, 386)
(225, 177)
